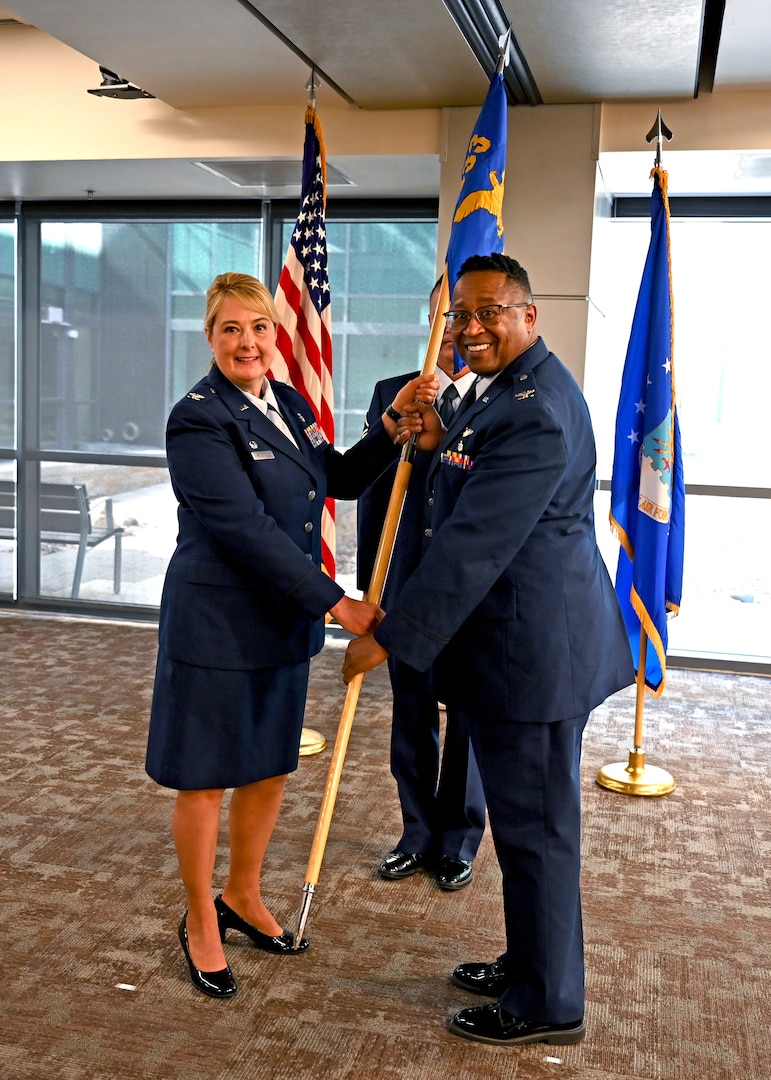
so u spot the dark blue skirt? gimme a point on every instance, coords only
(211, 728)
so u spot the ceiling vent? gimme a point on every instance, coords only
(269, 173)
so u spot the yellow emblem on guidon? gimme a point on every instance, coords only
(489, 199)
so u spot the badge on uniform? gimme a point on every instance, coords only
(314, 434)
(195, 397)
(467, 431)
(263, 455)
(458, 460)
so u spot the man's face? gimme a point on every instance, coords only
(446, 358)
(489, 349)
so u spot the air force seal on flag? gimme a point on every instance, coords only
(655, 495)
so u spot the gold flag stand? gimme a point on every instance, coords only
(311, 742)
(637, 778)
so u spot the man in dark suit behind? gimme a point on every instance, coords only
(443, 809)
(515, 611)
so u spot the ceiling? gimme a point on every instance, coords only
(400, 54)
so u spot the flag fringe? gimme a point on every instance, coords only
(621, 535)
(649, 626)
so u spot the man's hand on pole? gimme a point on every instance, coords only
(363, 654)
(422, 421)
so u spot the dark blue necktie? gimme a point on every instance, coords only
(447, 405)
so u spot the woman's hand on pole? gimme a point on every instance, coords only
(356, 616)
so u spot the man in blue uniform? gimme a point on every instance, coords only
(443, 808)
(513, 607)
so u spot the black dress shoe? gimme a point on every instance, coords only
(400, 864)
(488, 979)
(453, 873)
(281, 943)
(218, 984)
(492, 1024)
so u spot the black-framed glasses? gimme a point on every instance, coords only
(489, 315)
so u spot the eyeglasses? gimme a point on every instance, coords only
(490, 315)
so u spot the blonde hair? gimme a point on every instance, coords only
(242, 287)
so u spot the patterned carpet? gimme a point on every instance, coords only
(94, 985)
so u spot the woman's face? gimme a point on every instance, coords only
(243, 343)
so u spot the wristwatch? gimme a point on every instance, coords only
(391, 412)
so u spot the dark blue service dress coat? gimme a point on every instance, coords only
(244, 592)
(513, 607)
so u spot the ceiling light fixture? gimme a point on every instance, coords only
(483, 23)
(114, 86)
(267, 173)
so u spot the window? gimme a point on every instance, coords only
(380, 277)
(723, 378)
(111, 335)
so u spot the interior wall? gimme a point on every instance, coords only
(724, 121)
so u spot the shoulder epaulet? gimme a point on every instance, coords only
(525, 392)
(194, 396)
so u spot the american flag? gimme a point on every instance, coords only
(305, 332)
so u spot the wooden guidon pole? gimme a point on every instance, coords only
(374, 594)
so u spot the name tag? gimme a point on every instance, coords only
(263, 455)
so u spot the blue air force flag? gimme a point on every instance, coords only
(647, 499)
(477, 224)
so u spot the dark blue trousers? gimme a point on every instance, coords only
(443, 805)
(530, 774)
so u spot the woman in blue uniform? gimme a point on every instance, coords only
(243, 611)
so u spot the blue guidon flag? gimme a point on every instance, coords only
(647, 499)
(477, 224)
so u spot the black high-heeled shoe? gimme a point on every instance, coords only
(230, 920)
(219, 984)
